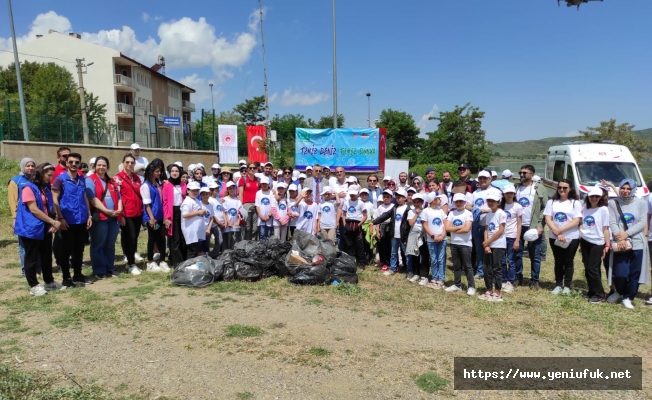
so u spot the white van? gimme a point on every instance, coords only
(585, 163)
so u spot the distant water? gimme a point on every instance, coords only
(540, 166)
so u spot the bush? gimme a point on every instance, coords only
(420, 169)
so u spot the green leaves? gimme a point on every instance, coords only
(403, 139)
(622, 134)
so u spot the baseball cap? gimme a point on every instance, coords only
(242, 162)
(265, 179)
(493, 196)
(411, 189)
(494, 173)
(292, 187)
(389, 192)
(92, 160)
(536, 178)
(352, 191)
(281, 185)
(507, 174)
(269, 163)
(213, 185)
(302, 176)
(326, 167)
(509, 189)
(430, 197)
(215, 166)
(229, 184)
(193, 186)
(295, 175)
(430, 170)
(459, 197)
(192, 167)
(325, 190)
(595, 191)
(351, 179)
(463, 166)
(418, 196)
(401, 192)
(364, 191)
(304, 190)
(134, 146)
(485, 174)
(279, 173)
(204, 190)
(387, 178)
(309, 167)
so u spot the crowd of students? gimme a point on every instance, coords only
(408, 223)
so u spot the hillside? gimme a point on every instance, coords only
(530, 148)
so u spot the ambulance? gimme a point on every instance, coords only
(586, 163)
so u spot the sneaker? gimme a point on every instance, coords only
(414, 278)
(153, 267)
(165, 268)
(134, 270)
(627, 303)
(99, 277)
(54, 285)
(409, 276)
(82, 280)
(157, 256)
(389, 273)
(496, 297)
(507, 287)
(434, 285)
(613, 298)
(485, 296)
(67, 283)
(453, 288)
(556, 290)
(471, 291)
(125, 259)
(423, 281)
(384, 268)
(138, 258)
(112, 274)
(566, 291)
(597, 300)
(534, 285)
(517, 283)
(37, 290)
(648, 302)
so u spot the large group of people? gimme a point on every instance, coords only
(404, 225)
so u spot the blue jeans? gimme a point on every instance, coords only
(627, 271)
(437, 260)
(103, 237)
(265, 232)
(534, 252)
(477, 232)
(509, 261)
(393, 260)
(21, 253)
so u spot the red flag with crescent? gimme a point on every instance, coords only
(255, 135)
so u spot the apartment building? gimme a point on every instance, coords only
(139, 97)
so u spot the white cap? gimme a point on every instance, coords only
(418, 196)
(430, 197)
(304, 176)
(494, 195)
(531, 235)
(281, 185)
(199, 165)
(213, 185)
(411, 189)
(325, 189)
(595, 191)
(92, 160)
(194, 185)
(351, 179)
(295, 175)
(134, 146)
(237, 175)
(293, 187)
(387, 178)
(494, 173)
(364, 191)
(204, 190)
(279, 173)
(229, 184)
(265, 179)
(178, 164)
(389, 192)
(485, 174)
(401, 192)
(304, 190)
(259, 175)
(268, 163)
(215, 166)
(509, 189)
(353, 191)
(242, 162)
(536, 178)
(459, 197)
(507, 174)
(309, 167)
(192, 167)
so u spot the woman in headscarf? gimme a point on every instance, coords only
(627, 220)
(27, 167)
(417, 183)
(174, 192)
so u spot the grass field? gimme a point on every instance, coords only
(140, 337)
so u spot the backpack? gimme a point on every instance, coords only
(405, 225)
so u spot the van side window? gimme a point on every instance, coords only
(558, 171)
(569, 172)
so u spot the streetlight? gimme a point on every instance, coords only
(334, 72)
(23, 112)
(212, 105)
(369, 109)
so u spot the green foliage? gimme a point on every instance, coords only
(251, 111)
(403, 139)
(319, 352)
(439, 167)
(243, 331)
(326, 122)
(431, 382)
(459, 138)
(622, 134)
(95, 112)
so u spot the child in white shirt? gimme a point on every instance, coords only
(494, 245)
(193, 225)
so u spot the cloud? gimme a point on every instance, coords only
(425, 119)
(145, 17)
(40, 26)
(254, 19)
(303, 99)
(572, 133)
(273, 98)
(203, 91)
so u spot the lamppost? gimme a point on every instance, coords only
(212, 105)
(334, 72)
(213, 108)
(23, 112)
(369, 109)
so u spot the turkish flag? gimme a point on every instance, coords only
(255, 134)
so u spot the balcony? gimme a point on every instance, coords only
(188, 106)
(124, 110)
(124, 83)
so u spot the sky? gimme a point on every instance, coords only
(537, 70)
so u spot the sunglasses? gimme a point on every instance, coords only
(251, 167)
(74, 162)
(563, 188)
(64, 155)
(595, 197)
(287, 172)
(391, 184)
(317, 171)
(524, 172)
(372, 180)
(416, 183)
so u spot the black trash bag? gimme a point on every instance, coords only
(241, 245)
(328, 249)
(316, 275)
(228, 270)
(247, 272)
(306, 243)
(280, 268)
(344, 262)
(218, 268)
(196, 272)
(293, 266)
(344, 276)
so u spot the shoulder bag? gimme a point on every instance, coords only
(628, 242)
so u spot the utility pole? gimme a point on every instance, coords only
(334, 72)
(82, 98)
(369, 109)
(23, 112)
(262, 41)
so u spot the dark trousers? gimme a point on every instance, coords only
(217, 245)
(493, 269)
(384, 246)
(35, 249)
(57, 248)
(231, 238)
(354, 241)
(461, 256)
(627, 271)
(564, 262)
(592, 260)
(292, 228)
(155, 236)
(177, 241)
(72, 243)
(129, 237)
(423, 267)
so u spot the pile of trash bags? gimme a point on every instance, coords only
(306, 260)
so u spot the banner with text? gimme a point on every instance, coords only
(355, 149)
(228, 136)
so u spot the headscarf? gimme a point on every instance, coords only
(632, 194)
(174, 181)
(23, 164)
(420, 179)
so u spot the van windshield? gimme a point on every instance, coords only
(590, 173)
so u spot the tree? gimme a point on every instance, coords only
(251, 111)
(459, 138)
(95, 112)
(203, 133)
(622, 134)
(403, 139)
(285, 127)
(326, 122)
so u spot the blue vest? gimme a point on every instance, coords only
(156, 204)
(72, 199)
(19, 180)
(27, 225)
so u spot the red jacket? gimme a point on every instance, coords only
(99, 190)
(129, 188)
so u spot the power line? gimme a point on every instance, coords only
(34, 55)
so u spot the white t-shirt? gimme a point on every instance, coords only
(217, 209)
(397, 220)
(354, 209)
(264, 202)
(459, 218)
(480, 201)
(494, 220)
(336, 187)
(649, 211)
(513, 211)
(281, 209)
(210, 212)
(417, 227)
(435, 218)
(562, 213)
(293, 208)
(307, 216)
(193, 228)
(141, 161)
(328, 214)
(593, 222)
(231, 207)
(525, 197)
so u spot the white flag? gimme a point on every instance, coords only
(228, 135)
